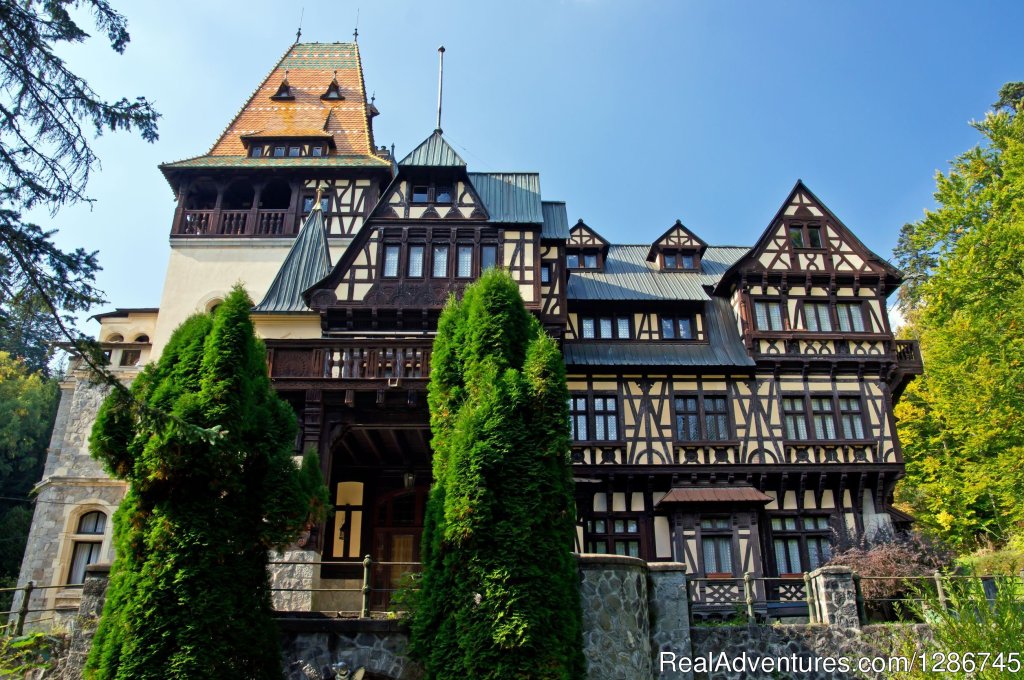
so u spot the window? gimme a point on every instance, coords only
(488, 257)
(677, 328)
(414, 268)
(87, 545)
(594, 418)
(805, 236)
(572, 261)
(578, 418)
(795, 417)
(420, 194)
(294, 151)
(824, 418)
(545, 274)
(316, 151)
(464, 262)
(800, 541)
(851, 317)
(582, 260)
(440, 262)
(604, 327)
(348, 520)
(142, 338)
(391, 261)
(614, 536)
(678, 260)
(816, 317)
(278, 152)
(702, 419)
(716, 545)
(589, 261)
(307, 204)
(606, 419)
(851, 417)
(130, 357)
(256, 151)
(769, 315)
(443, 194)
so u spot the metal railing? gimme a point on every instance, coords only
(25, 606)
(378, 584)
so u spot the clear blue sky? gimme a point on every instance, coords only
(634, 113)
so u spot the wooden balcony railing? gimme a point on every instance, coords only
(393, 361)
(908, 352)
(237, 223)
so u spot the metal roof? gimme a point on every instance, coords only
(715, 494)
(434, 152)
(307, 262)
(627, 275)
(510, 196)
(556, 220)
(724, 347)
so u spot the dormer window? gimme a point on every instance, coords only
(284, 91)
(333, 92)
(256, 151)
(294, 151)
(681, 260)
(443, 194)
(316, 151)
(420, 194)
(805, 235)
(432, 193)
(584, 259)
(278, 152)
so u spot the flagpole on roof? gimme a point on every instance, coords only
(440, 84)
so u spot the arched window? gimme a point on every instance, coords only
(87, 544)
(115, 337)
(142, 338)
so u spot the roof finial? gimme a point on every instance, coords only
(298, 33)
(319, 193)
(355, 33)
(440, 84)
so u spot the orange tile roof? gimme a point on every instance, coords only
(310, 68)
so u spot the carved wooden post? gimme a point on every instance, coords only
(367, 563)
(748, 592)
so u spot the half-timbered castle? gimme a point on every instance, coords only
(731, 406)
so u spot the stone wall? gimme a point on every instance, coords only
(313, 643)
(613, 592)
(806, 647)
(73, 484)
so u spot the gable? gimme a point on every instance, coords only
(582, 236)
(806, 237)
(402, 200)
(677, 238)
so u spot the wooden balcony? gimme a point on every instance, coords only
(345, 363)
(908, 365)
(237, 223)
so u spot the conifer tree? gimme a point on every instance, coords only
(189, 596)
(499, 596)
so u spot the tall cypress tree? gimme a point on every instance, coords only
(499, 595)
(211, 489)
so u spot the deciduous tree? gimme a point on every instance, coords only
(499, 596)
(962, 422)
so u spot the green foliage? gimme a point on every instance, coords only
(499, 594)
(962, 422)
(968, 625)
(24, 654)
(189, 595)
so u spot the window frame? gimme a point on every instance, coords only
(408, 260)
(596, 321)
(92, 541)
(676, 321)
(810, 415)
(610, 536)
(677, 263)
(591, 417)
(460, 248)
(805, 529)
(843, 309)
(716, 535)
(388, 248)
(770, 303)
(822, 311)
(581, 255)
(701, 415)
(434, 249)
(494, 264)
(256, 151)
(805, 230)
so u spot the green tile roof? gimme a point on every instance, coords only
(321, 56)
(270, 162)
